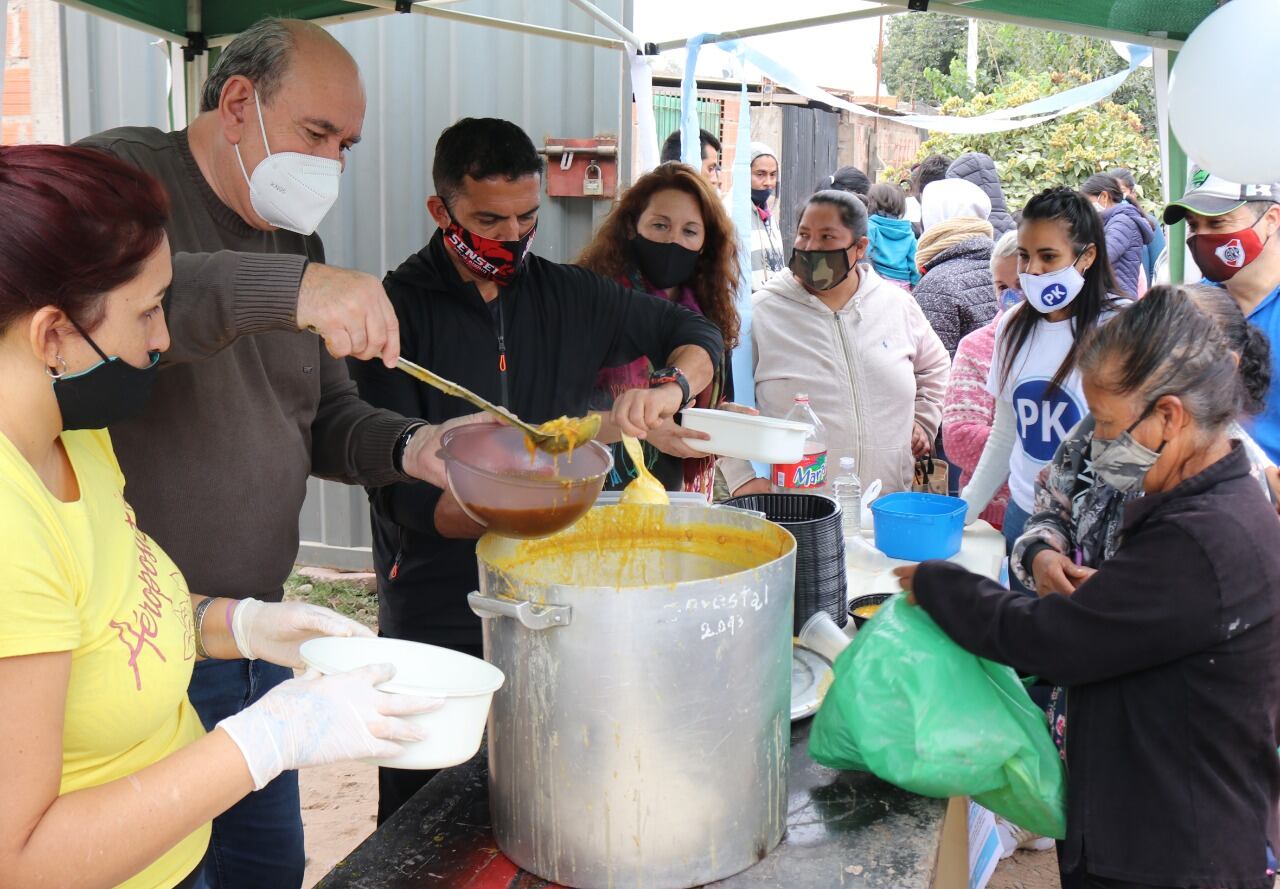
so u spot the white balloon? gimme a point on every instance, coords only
(1224, 92)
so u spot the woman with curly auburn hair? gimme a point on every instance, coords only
(669, 236)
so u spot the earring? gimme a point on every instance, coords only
(57, 374)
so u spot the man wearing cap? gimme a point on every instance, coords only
(1232, 236)
(767, 257)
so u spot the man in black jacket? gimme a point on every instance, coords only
(475, 307)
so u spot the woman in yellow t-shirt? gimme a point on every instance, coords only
(109, 779)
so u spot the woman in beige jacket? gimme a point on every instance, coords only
(874, 370)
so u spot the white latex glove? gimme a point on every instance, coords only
(316, 721)
(274, 632)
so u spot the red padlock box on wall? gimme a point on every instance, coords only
(582, 168)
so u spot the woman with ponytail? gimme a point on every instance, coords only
(1069, 290)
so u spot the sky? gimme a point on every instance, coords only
(840, 56)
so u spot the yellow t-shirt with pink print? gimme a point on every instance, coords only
(83, 578)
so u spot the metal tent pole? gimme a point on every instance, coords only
(323, 21)
(960, 9)
(196, 67)
(793, 25)
(1173, 163)
(121, 20)
(469, 18)
(964, 11)
(611, 24)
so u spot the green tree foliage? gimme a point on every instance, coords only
(916, 43)
(1063, 151)
(924, 59)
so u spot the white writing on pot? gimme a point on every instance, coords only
(740, 605)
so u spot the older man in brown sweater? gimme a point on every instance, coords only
(251, 404)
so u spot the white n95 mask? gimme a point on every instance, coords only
(288, 189)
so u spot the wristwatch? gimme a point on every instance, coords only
(672, 375)
(397, 452)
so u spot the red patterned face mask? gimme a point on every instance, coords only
(1220, 256)
(498, 261)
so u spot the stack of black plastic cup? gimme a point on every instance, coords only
(815, 522)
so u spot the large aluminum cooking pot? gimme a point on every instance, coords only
(643, 736)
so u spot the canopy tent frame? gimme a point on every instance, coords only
(194, 45)
(961, 8)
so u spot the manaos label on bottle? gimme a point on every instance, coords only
(810, 472)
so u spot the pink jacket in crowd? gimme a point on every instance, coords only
(968, 411)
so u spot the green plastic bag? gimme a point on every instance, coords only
(915, 709)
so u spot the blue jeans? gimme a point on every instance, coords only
(1015, 520)
(257, 843)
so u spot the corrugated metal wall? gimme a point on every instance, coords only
(112, 76)
(420, 74)
(809, 154)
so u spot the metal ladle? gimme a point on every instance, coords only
(552, 443)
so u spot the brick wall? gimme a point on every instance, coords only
(17, 125)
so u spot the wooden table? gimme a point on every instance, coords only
(845, 829)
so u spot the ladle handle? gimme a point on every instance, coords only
(448, 387)
(533, 617)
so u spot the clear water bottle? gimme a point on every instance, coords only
(847, 489)
(809, 476)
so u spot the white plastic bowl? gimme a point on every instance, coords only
(762, 439)
(454, 731)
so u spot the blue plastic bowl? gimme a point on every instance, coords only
(918, 527)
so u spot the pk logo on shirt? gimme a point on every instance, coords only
(1053, 294)
(1044, 417)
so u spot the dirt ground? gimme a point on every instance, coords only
(339, 807)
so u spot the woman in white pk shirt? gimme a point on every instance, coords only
(1069, 287)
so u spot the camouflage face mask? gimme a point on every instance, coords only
(820, 269)
(1123, 462)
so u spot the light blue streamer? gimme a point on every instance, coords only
(690, 144)
(1003, 120)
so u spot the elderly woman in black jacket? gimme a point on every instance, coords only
(1171, 652)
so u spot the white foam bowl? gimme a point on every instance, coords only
(762, 439)
(454, 731)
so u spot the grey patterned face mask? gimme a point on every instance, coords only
(1123, 462)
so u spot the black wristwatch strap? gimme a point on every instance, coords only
(397, 453)
(672, 375)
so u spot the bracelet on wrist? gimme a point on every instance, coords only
(200, 609)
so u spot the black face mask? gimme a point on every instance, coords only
(760, 196)
(664, 265)
(109, 392)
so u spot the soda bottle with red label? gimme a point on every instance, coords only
(809, 476)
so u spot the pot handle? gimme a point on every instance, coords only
(534, 617)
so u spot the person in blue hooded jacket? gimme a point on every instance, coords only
(1129, 185)
(1128, 231)
(893, 242)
